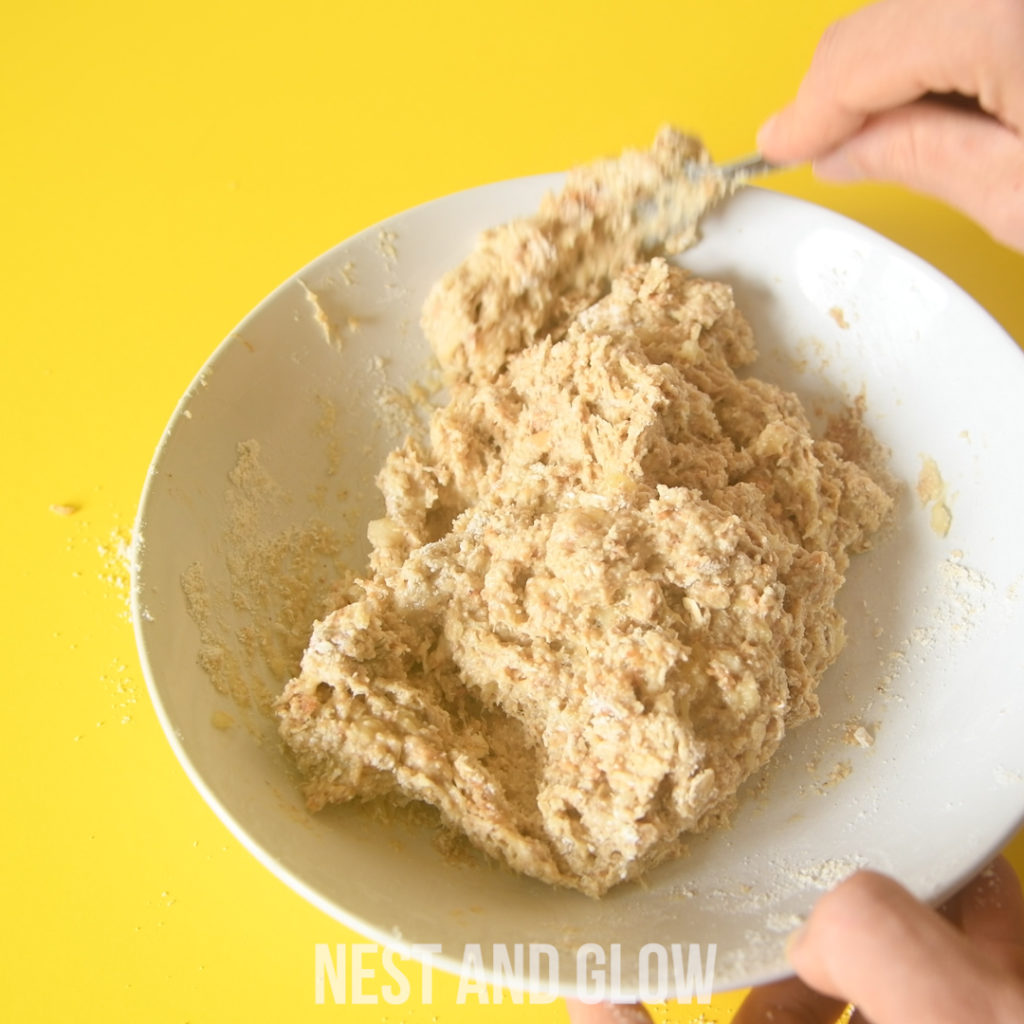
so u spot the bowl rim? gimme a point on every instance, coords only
(155, 685)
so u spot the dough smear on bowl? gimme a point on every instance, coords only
(606, 588)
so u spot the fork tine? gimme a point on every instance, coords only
(737, 170)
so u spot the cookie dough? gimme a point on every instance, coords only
(604, 591)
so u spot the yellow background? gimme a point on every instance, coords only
(162, 167)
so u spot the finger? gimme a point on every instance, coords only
(788, 1002)
(990, 911)
(606, 1013)
(966, 159)
(890, 53)
(869, 941)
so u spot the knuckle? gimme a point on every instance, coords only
(906, 149)
(899, 146)
(827, 51)
(829, 40)
(1000, 210)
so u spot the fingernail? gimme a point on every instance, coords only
(837, 166)
(796, 937)
(767, 131)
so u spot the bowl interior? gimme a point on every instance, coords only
(262, 484)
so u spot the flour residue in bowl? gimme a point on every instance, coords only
(605, 588)
(254, 624)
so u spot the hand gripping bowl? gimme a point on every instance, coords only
(916, 766)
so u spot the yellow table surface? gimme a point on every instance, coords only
(162, 168)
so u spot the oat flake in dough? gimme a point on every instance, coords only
(606, 589)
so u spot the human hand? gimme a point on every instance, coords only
(865, 107)
(871, 943)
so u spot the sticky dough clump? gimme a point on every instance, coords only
(606, 588)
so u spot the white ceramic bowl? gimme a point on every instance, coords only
(932, 671)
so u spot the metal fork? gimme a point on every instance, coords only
(732, 174)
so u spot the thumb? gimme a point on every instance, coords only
(869, 941)
(967, 159)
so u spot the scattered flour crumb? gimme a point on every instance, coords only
(931, 489)
(783, 923)
(962, 577)
(826, 874)
(386, 245)
(1005, 777)
(330, 331)
(839, 316)
(862, 737)
(839, 772)
(116, 567)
